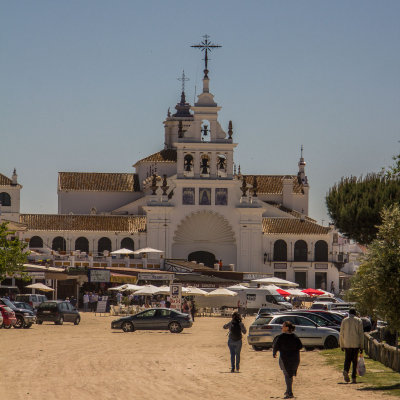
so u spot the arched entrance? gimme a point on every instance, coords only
(204, 257)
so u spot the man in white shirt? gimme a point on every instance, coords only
(351, 340)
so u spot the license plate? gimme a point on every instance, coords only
(46, 312)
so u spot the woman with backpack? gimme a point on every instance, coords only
(288, 344)
(236, 328)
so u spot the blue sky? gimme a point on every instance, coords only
(85, 85)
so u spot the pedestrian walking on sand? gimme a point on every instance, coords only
(288, 344)
(236, 328)
(351, 341)
(86, 302)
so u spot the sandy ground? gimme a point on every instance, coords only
(90, 361)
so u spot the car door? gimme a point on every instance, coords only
(162, 318)
(145, 319)
(311, 335)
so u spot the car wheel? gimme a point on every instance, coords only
(20, 323)
(128, 327)
(330, 342)
(39, 322)
(60, 321)
(175, 327)
(7, 326)
(77, 320)
(27, 326)
(258, 348)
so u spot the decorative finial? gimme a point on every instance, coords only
(255, 186)
(206, 46)
(154, 184)
(230, 130)
(244, 187)
(164, 186)
(168, 113)
(239, 173)
(301, 152)
(183, 79)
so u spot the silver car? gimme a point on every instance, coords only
(265, 329)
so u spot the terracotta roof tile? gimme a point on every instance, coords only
(292, 226)
(273, 184)
(289, 211)
(167, 155)
(98, 181)
(4, 181)
(58, 222)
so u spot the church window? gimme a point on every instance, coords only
(103, 244)
(59, 244)
(321, 251)
(221, 196)
(82, 244)
(188, 196)
(5, 199)
(204, 196)
(36, 242)
(205, 132)
(127, 243)
(280, 250)
(300, 251)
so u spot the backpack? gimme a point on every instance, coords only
(235, 331)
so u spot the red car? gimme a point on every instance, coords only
(9, 318)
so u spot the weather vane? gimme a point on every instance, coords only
(206, 46)
(183, 80)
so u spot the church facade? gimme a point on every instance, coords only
(189, 200)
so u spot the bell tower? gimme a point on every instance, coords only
(204, 150)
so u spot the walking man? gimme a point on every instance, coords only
(86, 302)
(352, 342)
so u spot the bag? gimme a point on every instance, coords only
(361, 366)
(236, 331)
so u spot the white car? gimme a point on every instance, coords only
(265, 329)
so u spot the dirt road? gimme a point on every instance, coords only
(91, 362)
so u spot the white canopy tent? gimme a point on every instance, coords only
(122, 252)
(194, 291)
(147, 290)
(297, 292)
(237, 287)
(222, 292)
(276, 281)
(40, 286)
(147, 250)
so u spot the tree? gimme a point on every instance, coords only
(355, 204)
(12, 257)
(376, 285)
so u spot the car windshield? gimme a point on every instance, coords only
(48, 306)
(278, 297)
(318, 306)
(8, 303)
(262, 321)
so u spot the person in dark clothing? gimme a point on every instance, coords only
(288, 345)
(236, 328)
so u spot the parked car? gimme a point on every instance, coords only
(8, 317)
(266, 310)
(265, 329)
(318, 319)
(25, 318)
(1, 319)
(331, 315)
(154, 319)
(57, 311)
(32, 299)
(26, 306)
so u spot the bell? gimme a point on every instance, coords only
(204, 167)
(221, 163)
(188, 166)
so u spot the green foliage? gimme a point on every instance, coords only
(12, 256)
(376, 285)
(355, 204)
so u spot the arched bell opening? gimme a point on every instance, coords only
(204, 165)
(188, 164)
(221, 165)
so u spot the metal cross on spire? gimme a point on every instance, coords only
(183, 80)
(206, 46)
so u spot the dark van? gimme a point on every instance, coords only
(57, 311)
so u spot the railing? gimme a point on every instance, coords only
(382, 352)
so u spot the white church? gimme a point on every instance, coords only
(189, 201)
